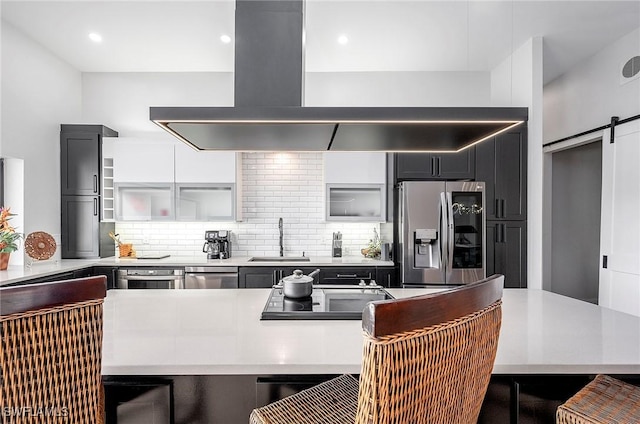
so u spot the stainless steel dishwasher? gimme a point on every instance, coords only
(150, 278)
(211, 277)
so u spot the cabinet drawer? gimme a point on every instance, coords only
(346, 275)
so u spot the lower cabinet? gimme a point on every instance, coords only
(266, 277)
(107, 271)
(345, 275)
(387, 276)
(138, 400)
(507, 251)
(83, 235)
(78, 273)
(259, 277)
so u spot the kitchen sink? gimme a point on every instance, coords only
(278, 259)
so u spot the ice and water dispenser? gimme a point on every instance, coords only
(426, 248)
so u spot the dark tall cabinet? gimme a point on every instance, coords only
(83, 233)
(507, 251)
(501, 163)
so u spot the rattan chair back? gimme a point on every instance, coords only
(51, 350)
(428, 359)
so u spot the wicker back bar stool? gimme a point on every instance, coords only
(51, 350)
(426, 359)
(605, 400)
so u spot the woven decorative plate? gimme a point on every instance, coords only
(40, 245)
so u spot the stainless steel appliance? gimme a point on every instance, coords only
(327, 302)
(441, 232)
(217, 244)
(211, 277)
(150, 278)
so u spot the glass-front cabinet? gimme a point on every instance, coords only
(205, 202)
(144, 202)
(355, 202)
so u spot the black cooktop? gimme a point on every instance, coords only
(326, 302)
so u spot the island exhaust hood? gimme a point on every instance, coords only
(268, 115)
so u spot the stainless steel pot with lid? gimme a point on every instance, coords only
(298, 285)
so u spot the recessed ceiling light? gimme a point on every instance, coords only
(343, 39)
(225, 38)
(95, 37)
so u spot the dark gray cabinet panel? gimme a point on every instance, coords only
(436, 166)
(507, 251)
(346, 275)
(107, 271)
(265, 277)
(502, 164)
(387, 276)
(79, 163)
(81, 226)
(256, 277)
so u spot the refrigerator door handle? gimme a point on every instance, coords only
(441, 215)
(444, 235)
(450, 234)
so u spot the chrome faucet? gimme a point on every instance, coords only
(281, 237)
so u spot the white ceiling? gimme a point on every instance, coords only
(391, 35)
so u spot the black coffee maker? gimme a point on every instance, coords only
(217, 244)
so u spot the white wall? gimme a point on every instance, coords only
(39, 92)
(397, 89)
(591, 93)
(517, 81)
(122, 100)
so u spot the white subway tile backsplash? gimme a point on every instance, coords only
(274, 185)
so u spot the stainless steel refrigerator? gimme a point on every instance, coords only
(441, 232)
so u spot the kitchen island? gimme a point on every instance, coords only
(218, 333)
(167, 332)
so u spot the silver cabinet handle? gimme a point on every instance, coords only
(348, 276)
(95, 207)
(95, 183)
(152, 277)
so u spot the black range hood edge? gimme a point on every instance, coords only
(391, 129)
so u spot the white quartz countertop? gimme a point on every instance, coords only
(218, 332)
(42, 269)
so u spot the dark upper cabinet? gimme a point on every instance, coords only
(507, 251)
(79, 163)
(501, 163)
(80, 156)
(436, 166)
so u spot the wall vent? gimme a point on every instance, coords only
(630, 70)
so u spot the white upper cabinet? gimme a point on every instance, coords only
(166, 180)
(138, 160)
(355, 186)
(355, 167)
(192, 166)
